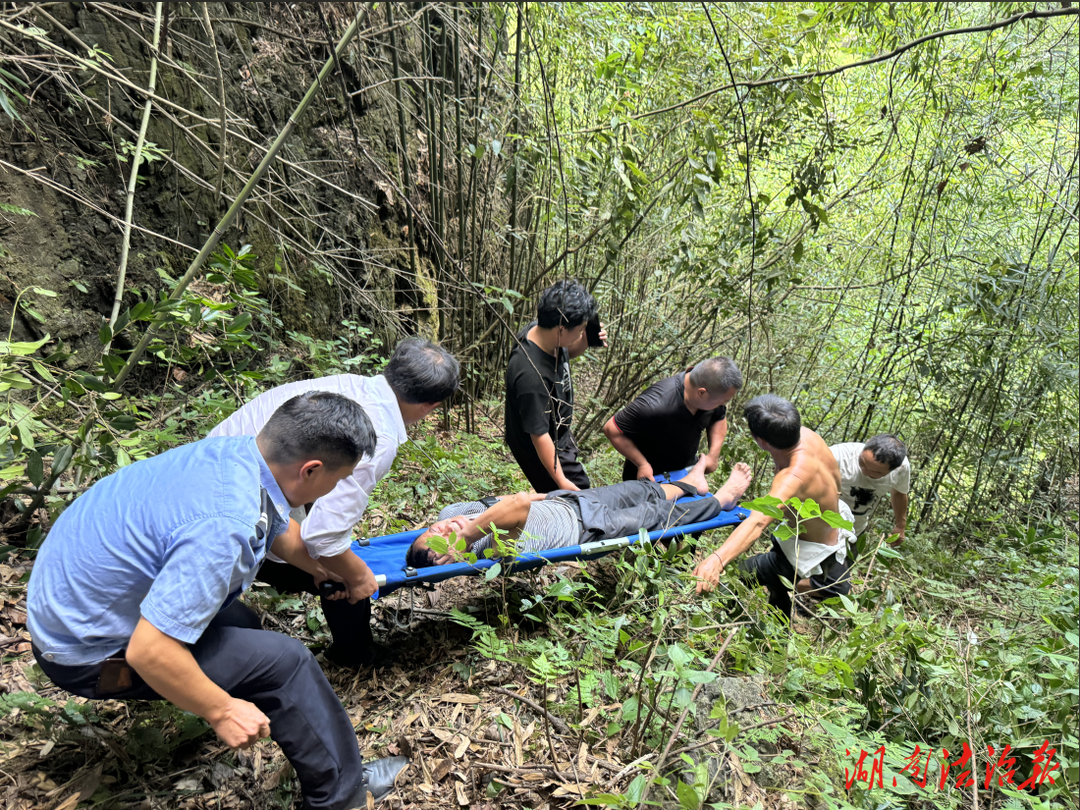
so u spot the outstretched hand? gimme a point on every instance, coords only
(708, 573)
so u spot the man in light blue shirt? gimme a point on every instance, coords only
(134, 592)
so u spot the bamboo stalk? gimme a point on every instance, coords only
(405, 172)
(515, 130)
(219, 183)
(136, 159)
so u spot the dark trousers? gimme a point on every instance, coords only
(350, 625)
(281, 677)
(767, 569)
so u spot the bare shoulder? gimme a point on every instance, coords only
(788, 482)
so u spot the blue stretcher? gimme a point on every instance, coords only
(385, 555)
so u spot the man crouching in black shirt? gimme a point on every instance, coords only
(540, 392)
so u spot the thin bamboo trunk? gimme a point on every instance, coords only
(136, 159)
(406, 178)
(220, 182)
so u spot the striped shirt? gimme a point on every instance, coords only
(551, 524)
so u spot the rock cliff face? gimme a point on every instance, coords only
(328, 223)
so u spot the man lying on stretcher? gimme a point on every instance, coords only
(562, 518)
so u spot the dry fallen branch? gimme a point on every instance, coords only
(559, 725)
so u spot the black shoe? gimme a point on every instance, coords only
(372, 655)
(377, 778)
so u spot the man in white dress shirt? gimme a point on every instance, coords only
(419, 376)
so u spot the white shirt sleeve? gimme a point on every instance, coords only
(902, 482)
(327, 531)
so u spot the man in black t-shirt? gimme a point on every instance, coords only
(660, 431)
(540, 392)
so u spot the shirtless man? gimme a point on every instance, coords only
(563, 518)
(805, 468)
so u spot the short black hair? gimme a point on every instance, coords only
(416, 557)
(887, 449)
(717, 375)
(775, 420)
(422, 371)
(318, 425)
(565, 303)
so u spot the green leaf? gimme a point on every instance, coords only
(797, 253)
(73, 386)
(105, 334)
(687, 796)
(602, 800)
(35, 468)
(696, 676)
(767, 505)
(22, 348)
(809, 509)
(13, 114)
(836, 521)
(12, 379)
(112, 364)
(806, 15)
(62, 458)
(90, 382)
(43, 291)
(25, 436)
(636, 788)
(239, 323)
(783, 532)
(493, 572)
(678, 656)
(43, 372)
(124, 422)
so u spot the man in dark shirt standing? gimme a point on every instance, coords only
(540, 392)
(660, 431)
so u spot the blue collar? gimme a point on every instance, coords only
(270, 484)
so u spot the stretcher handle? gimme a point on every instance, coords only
(329, 587)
